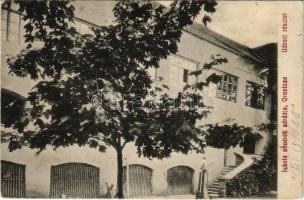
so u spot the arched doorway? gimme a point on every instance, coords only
(180, 180)
(139, 180)
(12, 179)
(78, 180)
(249, 144)
(12, 107)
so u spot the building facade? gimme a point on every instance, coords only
(85, 172)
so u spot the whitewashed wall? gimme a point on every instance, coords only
(38, 167)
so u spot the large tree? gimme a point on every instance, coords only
(113, 61)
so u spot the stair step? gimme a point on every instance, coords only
(213, 193)
(214, 196)
(217, 182)
(216, 185)
(228, 167)
(213, 189)
(220, 175)
(226, 171)
(229, 170)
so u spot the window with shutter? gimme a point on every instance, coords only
(180, 69)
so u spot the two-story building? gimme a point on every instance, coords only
(84, 172)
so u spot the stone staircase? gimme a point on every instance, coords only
(215, 190)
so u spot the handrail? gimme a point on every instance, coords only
(247, 162)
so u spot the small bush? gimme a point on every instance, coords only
(257, 180)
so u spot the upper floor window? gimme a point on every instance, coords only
(227, 88)
(255, 95)
(179, 74)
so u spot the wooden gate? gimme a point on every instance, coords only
(180, 180)
(139, 181)
(12, 179)
(78, 180)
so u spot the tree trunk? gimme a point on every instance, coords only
(119, 174)
(225, 157)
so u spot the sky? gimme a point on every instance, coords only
(251, 23)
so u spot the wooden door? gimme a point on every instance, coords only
(78, 180)
(139, 181)
(12, 179)
(180, 180)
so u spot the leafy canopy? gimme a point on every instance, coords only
(71, 67)
(226, 136)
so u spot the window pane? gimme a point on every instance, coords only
(14, 28)
(4, 5)
(14, 18)
(233, 80)
(4, 14)
(225, 77)
(3, 26)
(3, 20)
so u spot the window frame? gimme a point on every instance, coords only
(225, 84)
(259, 86)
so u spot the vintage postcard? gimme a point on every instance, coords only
(199, 99)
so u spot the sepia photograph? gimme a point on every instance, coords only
(143, 99)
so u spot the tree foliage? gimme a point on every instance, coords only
(69, 66)
(113, 61)
(226, 136)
